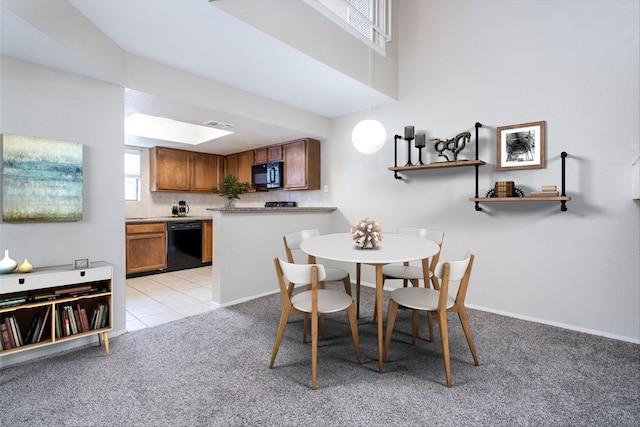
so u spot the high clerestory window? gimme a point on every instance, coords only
(369, 20)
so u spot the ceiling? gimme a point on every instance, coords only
(198, 38)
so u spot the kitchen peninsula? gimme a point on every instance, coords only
(245, 241)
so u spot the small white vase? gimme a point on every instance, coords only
(7, 265)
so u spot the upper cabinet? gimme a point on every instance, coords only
(302, 164)
(245, 161)
(239, 165)
(263, 155)
(207, 171)
(180, 170)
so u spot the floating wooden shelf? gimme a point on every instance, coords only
(438, 165)
(520, 199)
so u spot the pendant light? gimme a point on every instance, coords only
(369, 135)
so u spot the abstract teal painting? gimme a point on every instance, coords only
(41, 179)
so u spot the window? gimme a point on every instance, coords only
(369, 20)
(132, 175)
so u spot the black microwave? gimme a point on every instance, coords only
(266, 176)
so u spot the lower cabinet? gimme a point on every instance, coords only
(55, 304)
(146, 247)
(207, 241)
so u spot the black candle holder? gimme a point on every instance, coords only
(420, 144)
(409, 136)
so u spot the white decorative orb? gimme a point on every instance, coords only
(368, 136)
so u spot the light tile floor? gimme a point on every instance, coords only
(161, 298)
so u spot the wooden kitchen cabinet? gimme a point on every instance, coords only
(302, 164)
(245, 161)
(146, 247)
(207, 241)
(207, 171)
(239, 165)
(184, 171)
(272, 153)
(169, 169)
(231, 165)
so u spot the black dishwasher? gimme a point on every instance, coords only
(184, 245)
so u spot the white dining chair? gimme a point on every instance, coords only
(312, 302)
(436, 303)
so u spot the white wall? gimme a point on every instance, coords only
(42, 102)
(574, 65)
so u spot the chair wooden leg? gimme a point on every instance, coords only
(353, 322)
(314, 350)
(284, 318)
(430, 322)
(444, 337)
(392, 311)
(375, 302)
(358, 277)
(415, 324)
(464, 319)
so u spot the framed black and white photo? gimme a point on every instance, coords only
(80, 263)
(521, 146)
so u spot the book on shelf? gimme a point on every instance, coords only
(32, 329)
(504, 188)
(84, 322)
(105, 316)
(10, 334)
(73, 328)
(58, 322)
(75, 289)
(44, 323)
(549, 188)
(12, 301)
(17, 334)
(5, 336)
(91, 291)
(44, 296)
(76, 317)
(94, 316)
(99, 316)
(544, 194)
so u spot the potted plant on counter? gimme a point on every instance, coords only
(230, 188)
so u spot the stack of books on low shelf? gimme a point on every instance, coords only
(546, 191)
(504, 189)
(77, 291)
(12, 301)
(11, 334)
(71, 320)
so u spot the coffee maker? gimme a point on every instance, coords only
(183, 208)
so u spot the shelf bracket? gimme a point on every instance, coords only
(477, 126)
(563, 203)
(395, 155)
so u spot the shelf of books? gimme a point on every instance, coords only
(54, 304)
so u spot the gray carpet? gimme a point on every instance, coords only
(212, 369)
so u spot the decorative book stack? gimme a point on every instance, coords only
(546, 191)
(504, 188)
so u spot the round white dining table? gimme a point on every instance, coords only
(394, 248)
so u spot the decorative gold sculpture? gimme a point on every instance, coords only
(367, 234)
(455, 145)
